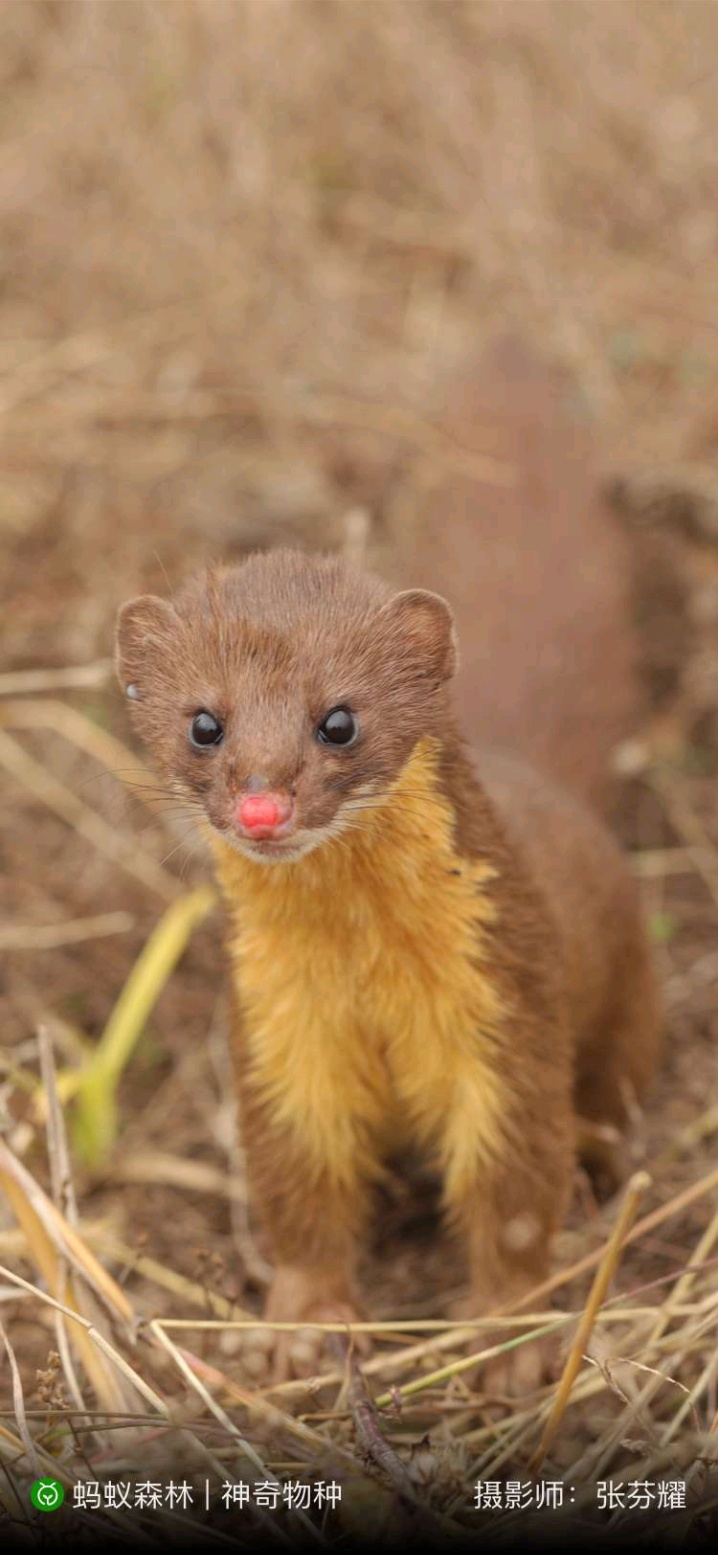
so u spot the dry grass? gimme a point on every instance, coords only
(243, 247)
(412, 1429)
(356, 1425)
(242, 240)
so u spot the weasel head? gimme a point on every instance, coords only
(282, 697)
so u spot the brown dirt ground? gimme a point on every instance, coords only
(226, 231)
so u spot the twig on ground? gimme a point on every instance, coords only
(73, 677)
(74, 931)
(604, 1274)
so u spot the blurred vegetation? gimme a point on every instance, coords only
(244, 246)
(223, 223)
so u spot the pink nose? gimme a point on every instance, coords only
(261, 815)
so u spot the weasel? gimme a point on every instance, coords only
(428, 947)
(540, 576)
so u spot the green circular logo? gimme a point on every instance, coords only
(47, 1494)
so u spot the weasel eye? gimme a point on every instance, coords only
(338, 728)
(205, 729)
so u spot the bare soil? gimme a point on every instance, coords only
(244, 247)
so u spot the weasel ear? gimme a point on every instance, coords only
(144, 628)
(427, 627)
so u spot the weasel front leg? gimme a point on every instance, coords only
(313, 1208)
(509, 1213)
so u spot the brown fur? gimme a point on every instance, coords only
(459, 962)
(538, 574)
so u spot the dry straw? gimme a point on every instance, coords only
(180, 366)
(110, 1357)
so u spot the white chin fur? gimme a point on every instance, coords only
(305, 844)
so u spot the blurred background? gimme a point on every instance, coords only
(246, 248)
(238, 236)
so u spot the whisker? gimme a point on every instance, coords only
(191, 853)
(183, 842)
(124, 776)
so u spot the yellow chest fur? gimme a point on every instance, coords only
(359, 974)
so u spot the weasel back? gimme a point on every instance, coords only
(608, 972)
(538, 574)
